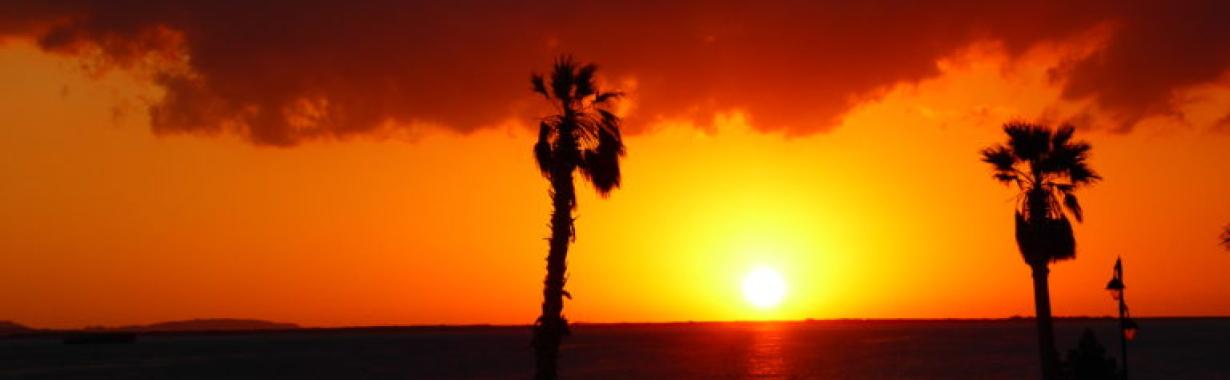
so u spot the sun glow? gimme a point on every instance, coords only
(764, 288)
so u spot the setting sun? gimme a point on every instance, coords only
(764, 288)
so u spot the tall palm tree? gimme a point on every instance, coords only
(583, 134)
(1047, 167)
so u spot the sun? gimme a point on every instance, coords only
(764, 288)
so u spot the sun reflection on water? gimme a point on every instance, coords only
(765, 359)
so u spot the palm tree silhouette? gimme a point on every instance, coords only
(584, 135)
(1047, 167)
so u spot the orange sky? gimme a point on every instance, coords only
(875, 206)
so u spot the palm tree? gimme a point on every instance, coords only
(584, 134)
(1047, 167)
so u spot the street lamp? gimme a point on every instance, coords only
(1115, 287)
(1127, 327)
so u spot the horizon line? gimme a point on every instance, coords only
(298, 326)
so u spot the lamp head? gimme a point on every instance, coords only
(1115, 287)
(1129, 329)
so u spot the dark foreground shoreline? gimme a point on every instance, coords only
(1166, 348)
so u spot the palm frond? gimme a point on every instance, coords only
(604, 97)
(542, 149)
(609, 121)
(1003, 161)
(539, 86)
(1081, 174)
(1073, 205)
(584, 81)
(601, 163)
(1069, 160)
(1061, 239)
(1006, 178)
(1062, 135)
(563, 77)
(586, 132)
(1028, 142)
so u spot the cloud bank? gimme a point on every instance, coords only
(281, 72)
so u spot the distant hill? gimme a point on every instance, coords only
(211, 324)
(11, 328)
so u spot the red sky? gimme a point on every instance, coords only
(335, 164)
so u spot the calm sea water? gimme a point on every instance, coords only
(1165, 349)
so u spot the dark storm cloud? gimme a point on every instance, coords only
(284, 71)
(1159, 47)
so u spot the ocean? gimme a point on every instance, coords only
(1001, 349)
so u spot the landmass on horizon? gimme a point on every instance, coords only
(10, 328)
(240, 325)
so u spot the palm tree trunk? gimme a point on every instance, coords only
(551, 326)
(1042, 311)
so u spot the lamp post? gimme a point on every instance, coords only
(1127, 327)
